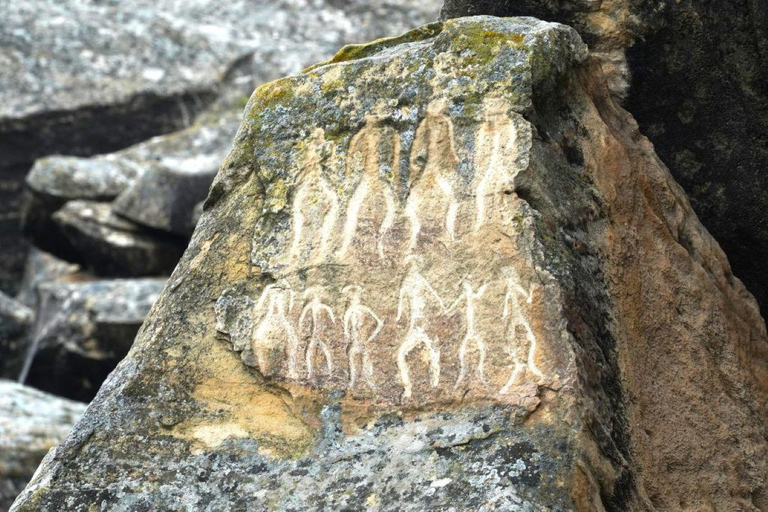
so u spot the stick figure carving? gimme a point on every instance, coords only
(314, 193)
(495, 151)
(415, 289)
(315, 308)
(469, 296)
(365, 161)
(274, 331)
(357, 343)
(517, 319)
(433, 163)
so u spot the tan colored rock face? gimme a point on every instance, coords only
(464, 197)
(399, 276)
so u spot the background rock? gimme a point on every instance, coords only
(636, 362)
(112, 246)
(31, 423)
(15, 321)
(83, 330)
(695, 76)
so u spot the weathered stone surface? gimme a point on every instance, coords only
(31, 423)
(112, 246)
(694, 74)
(42, 267)
(477, 289)
(82, 331)
(15, 321)
(87, 77)
(178, 170)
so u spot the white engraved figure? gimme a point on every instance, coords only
(357, 342)
(315, 308)
(517, 318)
(314, 191)
(433, 163)
(495, 147)
(470, 337)
(364, 160)
(274, 331)
(414, 288)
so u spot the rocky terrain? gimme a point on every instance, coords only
(479, 289)
(115, 117)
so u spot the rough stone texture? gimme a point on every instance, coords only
(112, 246)
(42, 267)
(82, 330)
(87, 76)
(178, 170)
(31, 423)
(695, 76)
(15, 321)
(494, 202)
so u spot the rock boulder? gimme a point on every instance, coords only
(31, 423)
(694, 74)
(440, 271)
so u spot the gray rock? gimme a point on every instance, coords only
(111, 246)
(441, 271)
(177, 172)
(31, 423)
(42, 267)
(83, 330)
(15, 321)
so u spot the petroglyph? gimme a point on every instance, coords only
(365, 159)
(471, 337)
(314, 196)
(495, 151)
(373, 241)
(355, 335)
(433, 165)
(274, 333)
(415, 290)
(517, 318)
(314, 309)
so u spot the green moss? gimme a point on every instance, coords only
(361, 51)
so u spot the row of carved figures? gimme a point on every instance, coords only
(274, 330)
(433, 176)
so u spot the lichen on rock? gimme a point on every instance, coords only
(433, 272)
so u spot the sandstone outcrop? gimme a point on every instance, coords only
(478, 289)
(694, 73)
(31, 423)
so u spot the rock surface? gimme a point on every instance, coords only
(15, 322)
(112, 246)
(694, 74)
(86, 77)
(479, 289)
(31, 423)
(83, 330)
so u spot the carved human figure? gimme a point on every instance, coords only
(495, 150)
(471, 337)
(365, 160)
(415, 290)
(355, 335)
(517, 318)
(314, 196)
(314, 309)
(433, 165)
(274, 331)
